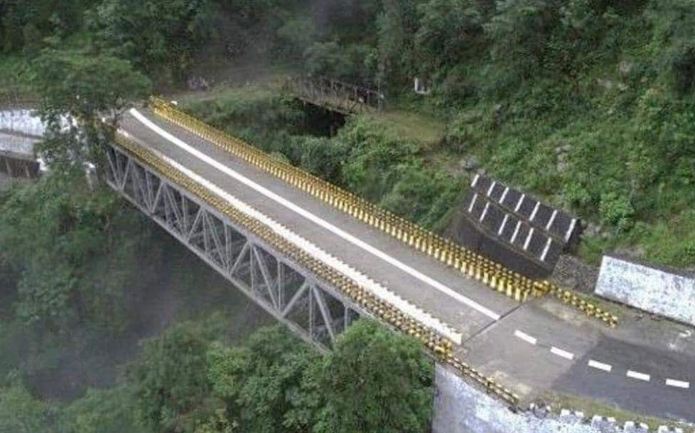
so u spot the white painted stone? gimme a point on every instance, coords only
(648, 289)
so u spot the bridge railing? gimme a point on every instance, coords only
(335, 94)
(475, 266)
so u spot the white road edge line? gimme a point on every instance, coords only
(600, 365)
(318, 253)
(678, 383)
(637, 375)
(524, 336)
(315, 219)
(562, 353)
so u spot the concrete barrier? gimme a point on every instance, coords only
(653, 290)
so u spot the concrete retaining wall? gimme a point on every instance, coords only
(22, 121)
(461, 408)
(648, 289)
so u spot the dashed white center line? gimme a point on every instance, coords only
(678, 383)
(637, 375)
(523, 336)
(600, 365)
(562, 353)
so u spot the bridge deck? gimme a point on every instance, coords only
(467, 319)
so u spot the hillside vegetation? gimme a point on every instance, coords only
(587, 103)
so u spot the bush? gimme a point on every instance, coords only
(422, 195)
(349, 63)
(376, 381)
(616, 210)
(170, 380)
(60, 234)
(374, 155)
(448, 30)
(20, 412)
(262, 381)
(102, 411)
(518, 33)
(674, 21)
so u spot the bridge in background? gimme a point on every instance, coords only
(317, 258)
(335, 95)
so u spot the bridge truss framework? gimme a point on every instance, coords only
(281, 287)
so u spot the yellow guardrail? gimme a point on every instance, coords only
(492, 274)
(439, 347)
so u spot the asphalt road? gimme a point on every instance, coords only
(532, 348)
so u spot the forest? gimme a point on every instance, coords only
(586, 103)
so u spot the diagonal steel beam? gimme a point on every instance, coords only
(302, 289)
(219, 248)
(110, 156)
(239, 258)
(157, 198)
(266, 277)
(128, 164)
(196, 223)
(174, 207)
(325, 312)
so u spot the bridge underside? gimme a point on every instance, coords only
(286, 291)
(18, 166)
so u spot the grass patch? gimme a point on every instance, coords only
(14, 80)
(413, 126)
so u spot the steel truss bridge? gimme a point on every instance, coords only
(317, 258)
(335, 95)
(261, 265)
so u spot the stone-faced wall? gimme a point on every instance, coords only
(461, 408)
(649, 289)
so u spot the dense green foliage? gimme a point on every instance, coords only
(84, 86)
(170, 379)
(57, 239)
(20, 412)
(187, 381)
(369, 367)
(262, 382)
(110, 410)
(588, 103)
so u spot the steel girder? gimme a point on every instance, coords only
(317, 313)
